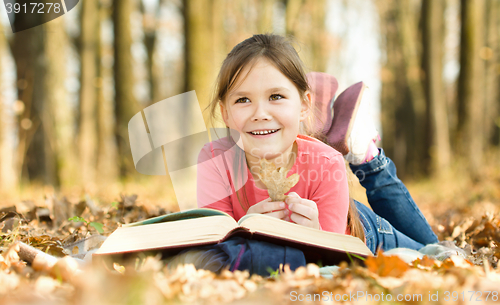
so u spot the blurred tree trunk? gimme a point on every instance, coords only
(304, 17)
(8, 174)
(390, 84)
(126, 104)
(25, 48)
(201, 65)
(490, 54)
(58, 119)
(39, 154)
(219, 43)
(150, 25)
(433, 37)
(318, 40)
(107, 154)
(87, 138)
(416, 131)
(403, 111)
(293, 9)
(46, 125)
(496, 130)
(470, 84)
(265, 16)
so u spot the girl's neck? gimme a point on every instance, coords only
(286, 159)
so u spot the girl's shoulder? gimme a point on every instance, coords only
(218, 147)
(312, 149)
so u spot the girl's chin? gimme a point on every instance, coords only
(275, 157)
(264, 152)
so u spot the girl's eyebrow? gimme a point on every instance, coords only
(244, 93)
(278, 89)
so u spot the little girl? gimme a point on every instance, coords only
(263, 96)
(266, 101)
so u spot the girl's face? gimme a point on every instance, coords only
(265, 101)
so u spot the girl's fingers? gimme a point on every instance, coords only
(305, 208)
(267, 206)
(308, 203)
(274, 205)
(290, 200)
(278, 214)
(292, 196)
(300, 220)
(302, 211)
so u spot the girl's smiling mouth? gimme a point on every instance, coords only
(263, 132)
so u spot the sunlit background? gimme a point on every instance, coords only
(70, 86)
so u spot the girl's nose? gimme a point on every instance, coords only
(261, 112)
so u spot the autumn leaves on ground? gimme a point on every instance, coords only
(458, 209)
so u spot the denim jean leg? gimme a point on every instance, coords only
(390, 199)
(379, 233)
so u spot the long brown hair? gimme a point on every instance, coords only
(279, 51)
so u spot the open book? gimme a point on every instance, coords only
(199, 227)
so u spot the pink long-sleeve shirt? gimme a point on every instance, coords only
(322, 179)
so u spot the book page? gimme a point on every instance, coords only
(168, 234)
(262, 223)
(188, 214)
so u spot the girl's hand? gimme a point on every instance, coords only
(303, 211)
(271, 208)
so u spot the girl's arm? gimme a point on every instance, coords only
(332, 196)
(212, 189)
(329, 203)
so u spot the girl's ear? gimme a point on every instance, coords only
(223, 112)
(305, 106)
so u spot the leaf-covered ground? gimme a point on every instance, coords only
(459, 210)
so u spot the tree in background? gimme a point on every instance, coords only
(126, 105)
(202, 48)
(57, 117)
(424, 127)
(265, 12)
(107, 151)
(305, 20)
(471, 106)
(8, 173)
(402, 100)
(437, 112)
(150, 25)
(24, 47)
(89, 62)
(490, 53)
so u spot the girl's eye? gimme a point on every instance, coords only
(276, 97)
(243, 100)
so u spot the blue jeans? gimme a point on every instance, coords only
(396, 221)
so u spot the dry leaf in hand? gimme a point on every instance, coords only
(275, 180)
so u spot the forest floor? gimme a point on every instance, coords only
(457, 208)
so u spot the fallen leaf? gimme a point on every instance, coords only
(10, 257)
(426, 261)
(457, 261)
(386, 265)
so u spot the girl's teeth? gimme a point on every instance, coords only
(263, 132)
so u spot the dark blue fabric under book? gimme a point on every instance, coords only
(238, 253)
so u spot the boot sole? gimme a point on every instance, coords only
(343, 117)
